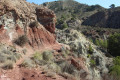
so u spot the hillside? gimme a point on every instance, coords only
(32, 48)
(70, 7)
(108, 19)
(94, 15)
(70, 10)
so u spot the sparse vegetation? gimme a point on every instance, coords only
(8, 57)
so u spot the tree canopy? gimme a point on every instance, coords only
(114, 44)
(112, 6)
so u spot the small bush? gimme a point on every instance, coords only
(97, 42)
(65, 25)
(103, 44)
(7, 52)
(38, 56)
(34, 24)
(24, 51)
(41, 62)
(90, 51)
(21, 41)
(53, 66)
(51, 74)
(7, 55)
(66, 67)
(8, 65)
(12, 58)
(28, 63)
(17, 55)
(115, 72)
(3, 59)
(47, 55)
(116, 60)
(92, 63)
(88, 56)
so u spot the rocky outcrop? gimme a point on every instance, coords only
(106, 19)
(16, 16)
(47, 18)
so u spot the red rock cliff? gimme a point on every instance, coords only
(16, 15)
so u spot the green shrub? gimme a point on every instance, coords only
(28, 63)
(92, 63)
(43, 58)
(63, 17)
(115, 72)
(97, 42)
(89, 56)
(47, 55)
(38, 56)
(90, 50)
(116, 60)
(101, 43)
(65, 25)
(21, 41)
(73, 18)
(114, 44)
(115, 69)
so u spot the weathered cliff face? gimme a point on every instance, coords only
(15, 17)
(40, 37)
(106, 19)
(46, 18)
